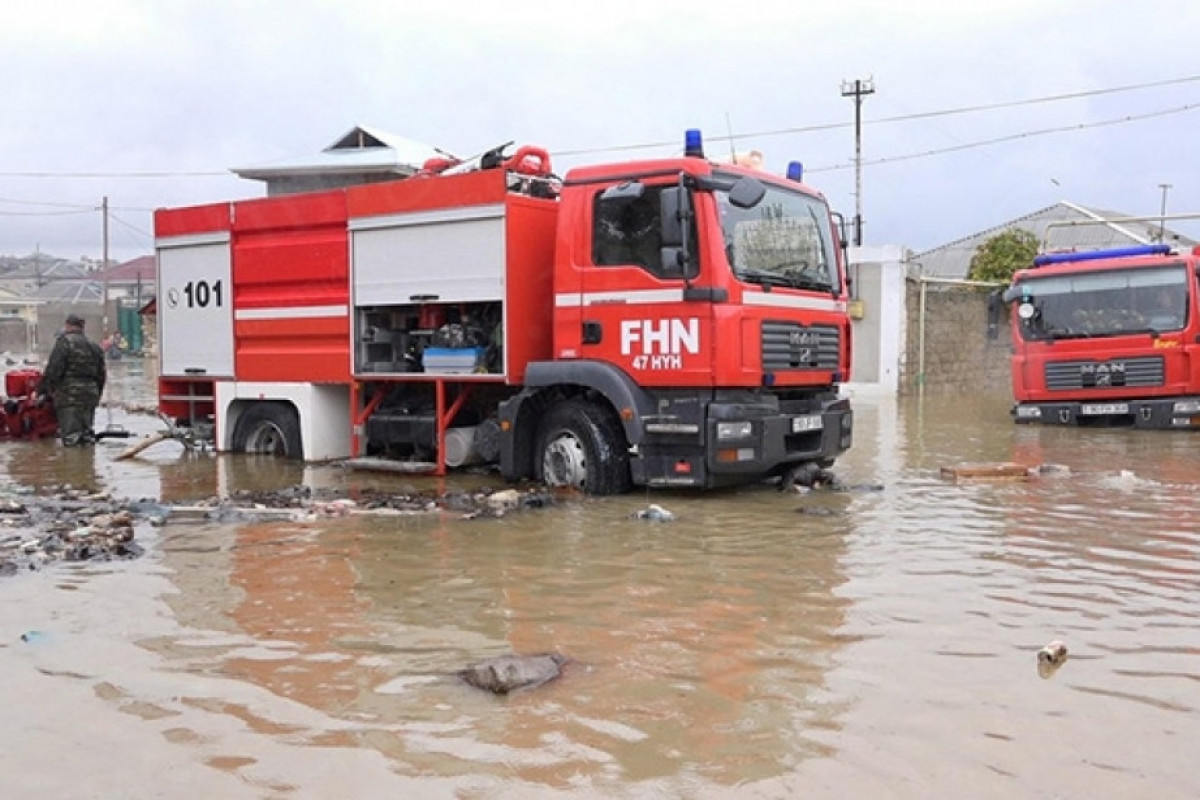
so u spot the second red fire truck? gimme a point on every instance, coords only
(1108, 338)
(671, 322)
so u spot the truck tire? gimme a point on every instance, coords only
(268, 429)
(581, 445)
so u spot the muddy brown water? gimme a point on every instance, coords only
(878, 642)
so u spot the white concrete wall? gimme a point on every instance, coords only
(880, 335)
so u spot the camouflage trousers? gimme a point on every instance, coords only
(75, 420)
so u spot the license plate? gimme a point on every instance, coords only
(1094, 409)
(810, 423)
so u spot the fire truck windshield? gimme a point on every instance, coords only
(785, 240)
(1103, 303)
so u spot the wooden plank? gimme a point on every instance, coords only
(1004, 471)
(133, 450)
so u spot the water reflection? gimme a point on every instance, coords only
(698, 647)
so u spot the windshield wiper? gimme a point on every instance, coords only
(761, 276)
(790, 278)
(1049, 333)
(802, 281)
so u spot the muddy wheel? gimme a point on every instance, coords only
(268, 429)
(582, 445)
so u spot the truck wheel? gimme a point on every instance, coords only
(268, 429)
(581, 444)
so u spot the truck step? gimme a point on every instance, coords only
(390, 465)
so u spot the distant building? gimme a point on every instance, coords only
(361, 155)
(28, 276)
(1062, 226)
(131, 280)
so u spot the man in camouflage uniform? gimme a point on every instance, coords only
(74, 378)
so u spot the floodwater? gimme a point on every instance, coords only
(875, 642)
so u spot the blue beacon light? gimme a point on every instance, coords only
(693, 145)
(795, 171)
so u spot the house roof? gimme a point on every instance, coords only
(1064, 226)
(142, 268)
(46, 270)
(66, 291)
(359, 150)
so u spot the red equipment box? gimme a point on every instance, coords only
(22, 382)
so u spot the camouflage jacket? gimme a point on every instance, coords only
(76, 365)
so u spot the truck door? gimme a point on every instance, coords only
(633, 310)
(195, 310)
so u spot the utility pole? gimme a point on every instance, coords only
(1162, 213)
(104, 274)
(858, 89)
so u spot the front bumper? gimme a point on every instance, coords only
(766, 443)
(1161, 413)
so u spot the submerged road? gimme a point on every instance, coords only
(880, 641)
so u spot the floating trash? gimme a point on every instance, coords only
(1050, 658)
(655, 513)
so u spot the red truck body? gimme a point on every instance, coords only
(1108, 338)
(641, 323)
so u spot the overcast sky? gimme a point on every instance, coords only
(151, 102)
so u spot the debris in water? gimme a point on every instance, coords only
(1006, 471)
(507, 674)
(1050, 658)
(1003, 471)
(64, 523)
(655, 513)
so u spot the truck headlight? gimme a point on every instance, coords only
(734, 430)
(1028, 412)
(1187, 407)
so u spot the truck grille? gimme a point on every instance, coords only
(787, 345)
(1114, 373)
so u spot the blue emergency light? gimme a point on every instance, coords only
(1096, 255)
(693, 145)
(795, 171)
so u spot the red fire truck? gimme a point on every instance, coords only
(673, 322)
(1107, 338)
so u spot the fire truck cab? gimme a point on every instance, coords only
(1107, 338)
(673, 322)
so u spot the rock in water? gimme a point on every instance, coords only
(507, 674)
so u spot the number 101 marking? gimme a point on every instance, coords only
(201, 293)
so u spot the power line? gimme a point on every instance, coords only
(901, 118)
(79, 207)
(48, 174)
(734, 137)
(1014, 137)
(45, 203)
(45, 213)
(135, 229)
